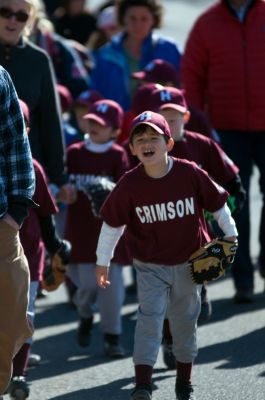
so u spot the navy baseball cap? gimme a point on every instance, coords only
(168, 97)
(152, 119)
(106, 113)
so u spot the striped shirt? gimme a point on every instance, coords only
(17, 179)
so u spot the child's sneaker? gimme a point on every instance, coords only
(112, 347)
(84, 331)
(184, 391)
(142, 392)
(18, 388)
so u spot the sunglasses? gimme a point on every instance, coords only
(7, 13)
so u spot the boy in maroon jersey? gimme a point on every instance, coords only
(82, 106)
(161, 203)
(170, 102)
(95, 160)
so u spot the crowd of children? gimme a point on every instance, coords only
(164, 167)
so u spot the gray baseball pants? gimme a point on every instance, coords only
(165, 290)
(89, 294)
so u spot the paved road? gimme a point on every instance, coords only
(230, 365)
(231, 361)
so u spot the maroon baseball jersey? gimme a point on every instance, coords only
(82, 227)
(30, 233)
(164, 217)
(207, 154)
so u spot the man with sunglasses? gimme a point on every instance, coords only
(33, 77)
(16, 189)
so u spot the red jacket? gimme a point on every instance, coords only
(223, 68)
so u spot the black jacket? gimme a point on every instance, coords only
(32, 74)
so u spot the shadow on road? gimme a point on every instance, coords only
(63, 312)
(226, 308)
(240, 352)
(60, 353)
(55, 314)
(116, 389)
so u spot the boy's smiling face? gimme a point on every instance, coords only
(176, 121)
(150, 147)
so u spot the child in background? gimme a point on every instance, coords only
(158, 71)
(82, 106)
(164, 73)
(93, 162)
(140, 103)
(37, 233)
(74, 127)
(161, 203)
(171, 103)
(208, 155)
(107, 26)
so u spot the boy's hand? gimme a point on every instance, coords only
(67, 194)
(102, 274)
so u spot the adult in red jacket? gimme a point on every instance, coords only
(223, 72)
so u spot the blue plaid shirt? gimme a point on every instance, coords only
(17, 179)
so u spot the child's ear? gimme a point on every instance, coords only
(132, 149)
(186, 117)
(170, 144)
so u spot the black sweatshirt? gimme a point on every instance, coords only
(32, 74)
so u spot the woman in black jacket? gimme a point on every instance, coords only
(32, 73)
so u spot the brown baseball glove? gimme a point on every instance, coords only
(212, 260)
(54, 274)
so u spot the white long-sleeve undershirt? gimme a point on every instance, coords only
(107, 242)
(110, 236)
(225, 221)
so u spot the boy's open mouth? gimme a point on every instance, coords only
(148, 153)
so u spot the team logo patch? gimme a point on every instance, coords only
(145, 116)
(165, 96)
(102, 108)
(150, 66)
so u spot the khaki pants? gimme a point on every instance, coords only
(14, 285)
